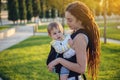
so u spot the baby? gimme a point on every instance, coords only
(62, 45)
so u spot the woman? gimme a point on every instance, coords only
(86, 42)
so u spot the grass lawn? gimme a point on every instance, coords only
(112, 33)
(27, 61)
(3, 27)
(42, 28)
(112, 30)
(110, 62)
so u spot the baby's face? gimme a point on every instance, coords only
(56, 34)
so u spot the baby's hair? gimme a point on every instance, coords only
(53, 25)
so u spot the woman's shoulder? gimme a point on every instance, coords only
(81, 36)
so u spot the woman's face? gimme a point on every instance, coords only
(72, 22)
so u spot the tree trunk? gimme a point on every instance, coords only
(0, 12)
(105, 24)
(0, 19)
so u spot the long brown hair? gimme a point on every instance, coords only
(81, 12)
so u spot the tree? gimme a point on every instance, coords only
(53, 12)
(104, 4)
(29, 9)
(22, 9)
(36, 7)
(47, 15)
(98, 10)
(105, 24)
(13, 10)
(97, 7)
(0, 12)
(41, 15)
(114, 6)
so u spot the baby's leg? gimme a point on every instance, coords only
(63, 77)
(64, 72)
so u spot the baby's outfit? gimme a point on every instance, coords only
(63, 47)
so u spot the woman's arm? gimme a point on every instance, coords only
(79, 44)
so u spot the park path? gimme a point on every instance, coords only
(22, 33)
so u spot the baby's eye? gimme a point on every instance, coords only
(54, 33)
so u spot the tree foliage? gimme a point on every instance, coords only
(12, 10)
(22, 9)
(0, 12)
(53, 12)
(47, 14)
(0, 6)
(36, 7)
(41, 15)
(113, 6)
(29, 9)
(41, 7)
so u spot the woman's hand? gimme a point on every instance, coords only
(52, 64)
(70, 42)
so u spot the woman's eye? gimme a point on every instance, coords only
(70, 20)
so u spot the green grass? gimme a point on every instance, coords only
(111, 30)
(4, 27)
(42, 28)
(27, 61)
(110, 24)
(110, 67)
(7, 26)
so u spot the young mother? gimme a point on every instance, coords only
(86, 42)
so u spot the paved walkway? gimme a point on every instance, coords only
(111, 40)
(24, 32)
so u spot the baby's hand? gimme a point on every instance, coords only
(70, 42)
